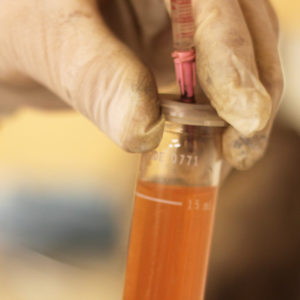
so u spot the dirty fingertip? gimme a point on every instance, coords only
(144, 138)
(241, 152)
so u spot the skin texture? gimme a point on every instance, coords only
(101, 58)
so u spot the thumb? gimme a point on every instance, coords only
(66, 46)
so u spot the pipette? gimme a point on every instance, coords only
(184, 55)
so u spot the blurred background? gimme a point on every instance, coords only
(66, 195)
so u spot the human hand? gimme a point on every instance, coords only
(67, 47)
(239, 69)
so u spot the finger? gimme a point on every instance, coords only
(73, 53)
(243, 152)
(263, 25)
(226, 66)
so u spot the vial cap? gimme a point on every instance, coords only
(189, 113)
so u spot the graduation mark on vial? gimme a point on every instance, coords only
(197, 204)
(176, 159)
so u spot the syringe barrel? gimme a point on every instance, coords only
(182, 24)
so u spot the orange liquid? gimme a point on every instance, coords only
(170, 242)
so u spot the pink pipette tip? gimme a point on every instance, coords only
(185, 68)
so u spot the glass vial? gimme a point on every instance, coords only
(175, 206)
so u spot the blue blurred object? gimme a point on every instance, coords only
(56, 221)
